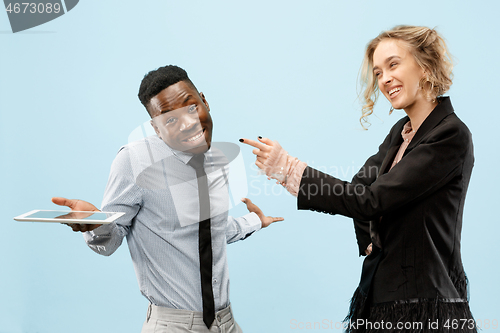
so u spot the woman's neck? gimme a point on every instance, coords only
(419, 111)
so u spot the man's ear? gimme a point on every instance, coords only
(204, 101)
(155, 127)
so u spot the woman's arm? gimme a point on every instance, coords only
(437, 158)
(366, 175)
(431, 164)
(277, 164)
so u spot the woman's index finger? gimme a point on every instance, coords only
(253, 143)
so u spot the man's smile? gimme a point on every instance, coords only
(195, 137)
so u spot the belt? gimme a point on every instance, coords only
(187, 317)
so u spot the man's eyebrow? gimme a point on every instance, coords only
(386, 61)
(188, 97)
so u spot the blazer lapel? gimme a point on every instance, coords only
(389, 157)
(443, 109)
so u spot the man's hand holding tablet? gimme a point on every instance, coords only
(78, 205)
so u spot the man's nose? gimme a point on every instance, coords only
(187, 122)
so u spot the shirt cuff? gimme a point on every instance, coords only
(103, 230)
(293, 183)
(254, 222)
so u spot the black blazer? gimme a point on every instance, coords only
(415, 209)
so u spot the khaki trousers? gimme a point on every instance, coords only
(165, 320)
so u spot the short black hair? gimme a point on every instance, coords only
(157, 80)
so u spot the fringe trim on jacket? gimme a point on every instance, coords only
(413, 315)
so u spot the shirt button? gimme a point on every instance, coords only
(215, 281)
(218, 318)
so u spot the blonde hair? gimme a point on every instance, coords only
(429, 51)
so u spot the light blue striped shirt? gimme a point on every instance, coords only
(158, 191)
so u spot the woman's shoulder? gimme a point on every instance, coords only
(448, 118)
(451, 132)
(453, 125)
(443, 124)
(453, 121)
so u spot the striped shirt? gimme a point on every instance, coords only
(158, 191)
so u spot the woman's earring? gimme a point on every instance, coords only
(390, 111)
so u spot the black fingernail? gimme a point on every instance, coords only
(241, 140)
(260, 137)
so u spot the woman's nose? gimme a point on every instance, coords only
(388, 79)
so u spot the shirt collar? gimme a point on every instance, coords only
(407, 133)
(186, 157)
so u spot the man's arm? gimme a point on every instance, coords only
(242, 227)
(102, 239)
(121, 195)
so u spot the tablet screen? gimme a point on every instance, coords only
(62, 216)
(54, 214)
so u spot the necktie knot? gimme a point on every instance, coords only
(197, 161)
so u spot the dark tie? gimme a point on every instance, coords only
(205, 241)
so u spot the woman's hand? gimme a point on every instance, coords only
(368, 250)
(263, 148)
(275, 162)
(271, 158)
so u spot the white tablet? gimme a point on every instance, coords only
(66, 216)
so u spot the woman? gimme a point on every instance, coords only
(407, 200)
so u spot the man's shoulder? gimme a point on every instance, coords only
(152, 140)
(149, 147)
(141, 154)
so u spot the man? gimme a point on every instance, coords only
(173, 189)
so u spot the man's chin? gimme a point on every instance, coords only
(200, 149)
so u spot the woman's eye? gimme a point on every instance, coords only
(377, 74)
(170, 121)
(192, 109)
(393, 64)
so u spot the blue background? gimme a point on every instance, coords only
(282, 69)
